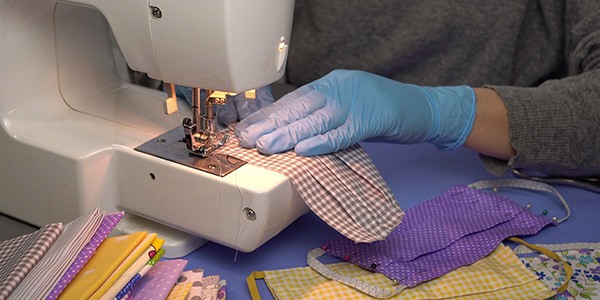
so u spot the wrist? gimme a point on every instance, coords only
(490, 133)
(453, 110)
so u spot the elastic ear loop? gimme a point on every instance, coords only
(524, 184)
(319, 267)
(251, 282)
(536, 186)
(522, 249)
(567, 267)
(365, 287)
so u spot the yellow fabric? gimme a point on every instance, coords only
(500, 275)
(179, 291)
(133, 269)
(157, 243)
(251, 282)
(125, 264)
(109, 255)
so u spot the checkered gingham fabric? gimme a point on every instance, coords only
(19, 255)
(46, 273)
(344, 188)
(108, 224)
(499, 275)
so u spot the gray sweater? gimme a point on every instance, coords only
(542, 57)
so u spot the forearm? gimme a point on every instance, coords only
(490, 133)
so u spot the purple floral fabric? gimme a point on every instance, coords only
(586, 272)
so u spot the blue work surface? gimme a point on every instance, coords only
(415, 174)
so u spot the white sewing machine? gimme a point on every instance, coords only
(71, 122)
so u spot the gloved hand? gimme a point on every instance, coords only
(345, 107)
(236, 108)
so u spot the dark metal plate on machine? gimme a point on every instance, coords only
(170, 146)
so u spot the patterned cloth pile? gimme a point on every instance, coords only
(500, 275)
(583, 257)
(79, 261)
(449, 247)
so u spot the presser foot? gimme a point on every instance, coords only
(172, 146)
(202, 143)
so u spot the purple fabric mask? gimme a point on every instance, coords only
(455, 229)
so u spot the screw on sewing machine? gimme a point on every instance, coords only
(156, 12)
(249, 214)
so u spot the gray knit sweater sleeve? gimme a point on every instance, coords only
(555, 127)
(541, 57)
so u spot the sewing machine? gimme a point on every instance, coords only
(72, 122)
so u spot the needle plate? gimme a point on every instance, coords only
(170, 146)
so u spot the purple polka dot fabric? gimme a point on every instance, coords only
(159, 281)
(108, 223)
(455, 229)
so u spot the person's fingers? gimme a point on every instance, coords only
(263, 113)
(286, 137)
(294, 106)
(329, 142)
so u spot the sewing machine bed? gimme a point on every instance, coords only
(415, 174)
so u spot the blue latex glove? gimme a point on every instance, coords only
(345, 107)
(236, 108)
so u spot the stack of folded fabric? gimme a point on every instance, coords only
(79, 261)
